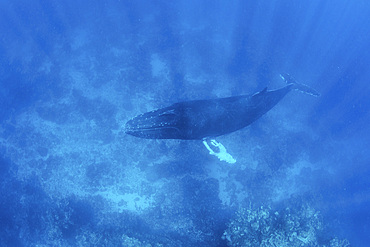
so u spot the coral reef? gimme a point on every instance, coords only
(300, 227)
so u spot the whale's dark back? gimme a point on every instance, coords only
(198, 119)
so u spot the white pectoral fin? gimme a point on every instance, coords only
(221, 154)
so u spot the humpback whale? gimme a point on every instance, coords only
(201, 119)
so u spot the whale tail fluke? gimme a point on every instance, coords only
(298, 86)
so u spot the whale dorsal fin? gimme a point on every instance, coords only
(261, 92)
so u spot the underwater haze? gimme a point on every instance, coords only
(74, 72)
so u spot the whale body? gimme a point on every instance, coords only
(200, 119)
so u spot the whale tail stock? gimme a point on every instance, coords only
(298, 86)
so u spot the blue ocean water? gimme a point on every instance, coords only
(74, 72)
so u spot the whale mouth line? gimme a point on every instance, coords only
(138, 129)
